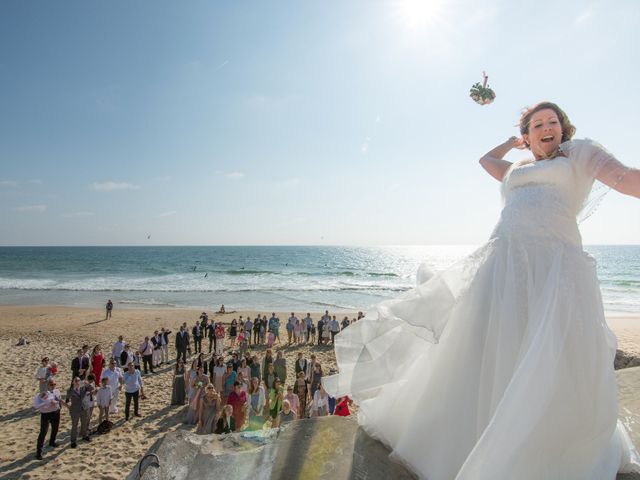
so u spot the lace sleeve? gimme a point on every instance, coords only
(597, 171)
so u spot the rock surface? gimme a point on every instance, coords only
(625, 360)
(340, 449)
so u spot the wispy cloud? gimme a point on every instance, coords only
(234, 175)
(35, 181)
(223, 64)
(364, 148)
(8, 184)
(80, 214)
(112, 186)
(379, 118)
(170, 213)
(31, 208)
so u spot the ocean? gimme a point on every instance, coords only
(253, 277)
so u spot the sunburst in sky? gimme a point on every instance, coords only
(418, 15)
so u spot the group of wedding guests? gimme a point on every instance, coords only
(244, 392)
(262, 331)
(241, 392)
(96, 385)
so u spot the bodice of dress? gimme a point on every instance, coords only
(539, 201)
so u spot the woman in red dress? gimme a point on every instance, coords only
(238, 400)
(97, 362)
(342, 407)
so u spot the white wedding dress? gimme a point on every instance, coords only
(501, 367)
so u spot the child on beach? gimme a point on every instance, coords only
(104, 399)
(271, 339)
(137, 358)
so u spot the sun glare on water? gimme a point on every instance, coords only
(416, 15)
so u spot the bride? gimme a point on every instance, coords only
(502, 366)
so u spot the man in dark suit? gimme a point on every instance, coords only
(182, 344)
(211, 333)
(301, 364)
(79, 366)
(197, 332)
(204, 319)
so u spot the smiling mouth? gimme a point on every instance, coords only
(547, 139)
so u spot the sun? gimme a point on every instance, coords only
(415, 15)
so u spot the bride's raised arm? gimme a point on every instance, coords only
(492, 161)
(623, 179)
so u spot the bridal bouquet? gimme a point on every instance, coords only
(199, 384)
(482, 94)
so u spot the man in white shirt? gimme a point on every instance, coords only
(164, 333)
(117, 349)
(308, 321)
(335, 329)
(114, 376)
(48, 403)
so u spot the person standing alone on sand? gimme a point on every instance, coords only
(109, 308)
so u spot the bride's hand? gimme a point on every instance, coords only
(517, 142)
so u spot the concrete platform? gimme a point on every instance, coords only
(339, 449)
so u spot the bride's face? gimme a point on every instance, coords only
(545, 133)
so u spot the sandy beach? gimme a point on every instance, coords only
(58, 331)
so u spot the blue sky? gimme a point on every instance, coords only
(294, 122)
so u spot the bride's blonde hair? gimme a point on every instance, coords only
(568, 130)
